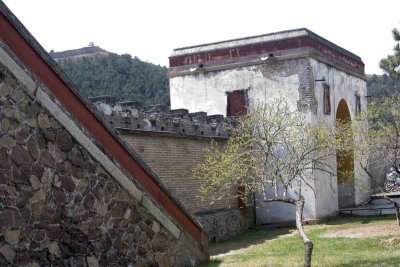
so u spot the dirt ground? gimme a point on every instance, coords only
(227, 248)
(364, 230)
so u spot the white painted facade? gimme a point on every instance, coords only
(284, 76)
(207, 91)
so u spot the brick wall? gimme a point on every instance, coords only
(173, 159)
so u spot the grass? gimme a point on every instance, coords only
(283, 247)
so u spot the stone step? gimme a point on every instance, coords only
(378, 199)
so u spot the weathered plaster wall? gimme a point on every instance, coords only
(207, 91)
(294, 80)
(342, 86)
(59, 206)
(173, 158)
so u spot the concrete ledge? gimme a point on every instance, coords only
(17, 70)
(160, 216)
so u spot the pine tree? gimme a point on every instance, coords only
(391, 64)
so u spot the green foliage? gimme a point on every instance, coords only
(272, 146)
(124, 77)
(391, 64)
(387, 84)
(382, 138)
(380, 86)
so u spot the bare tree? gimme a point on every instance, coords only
(274, 151)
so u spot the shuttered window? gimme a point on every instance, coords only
(237, 104)
(327, 99)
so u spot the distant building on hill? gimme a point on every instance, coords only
(89, 51)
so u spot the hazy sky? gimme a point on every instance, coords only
(151, 29)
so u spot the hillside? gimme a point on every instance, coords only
(121, 76)
(382, 86)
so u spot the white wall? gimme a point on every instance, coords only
(343, 86)
(207, 91)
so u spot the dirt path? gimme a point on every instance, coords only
(364, 230)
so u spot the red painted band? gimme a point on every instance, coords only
(262, 48)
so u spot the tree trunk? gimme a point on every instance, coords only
(308, 245)
(255, 209)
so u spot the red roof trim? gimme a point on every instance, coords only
(39, 67)
(225, 54)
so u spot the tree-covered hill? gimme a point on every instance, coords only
(124, 77)
(380, 86)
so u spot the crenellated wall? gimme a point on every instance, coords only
(172, 143)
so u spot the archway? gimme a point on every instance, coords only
(345, 162)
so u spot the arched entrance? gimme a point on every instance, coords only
(345, 162)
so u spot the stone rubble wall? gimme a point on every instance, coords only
(58, 206)
(226, 223)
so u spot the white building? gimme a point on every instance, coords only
(314, 75)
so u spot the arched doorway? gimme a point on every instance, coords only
(345, 162)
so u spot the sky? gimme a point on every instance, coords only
(151, 29)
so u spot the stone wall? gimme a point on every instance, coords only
(59, 206)
(225, 223)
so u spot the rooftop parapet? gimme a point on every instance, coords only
(254, 50)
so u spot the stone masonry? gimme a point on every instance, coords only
(58, 206)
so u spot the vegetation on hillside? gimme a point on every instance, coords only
(381, 86)
(389, 83)
(125, 77)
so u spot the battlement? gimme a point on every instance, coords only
(131, 116)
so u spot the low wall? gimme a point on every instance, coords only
(225, 223)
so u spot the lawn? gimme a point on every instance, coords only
(344, 241)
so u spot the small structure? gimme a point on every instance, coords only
(72, 192)
(315, 76)
(89, 51)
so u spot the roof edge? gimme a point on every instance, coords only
(299, 32)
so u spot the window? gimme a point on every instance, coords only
(327, 99)
(358, 104)
(236, 103)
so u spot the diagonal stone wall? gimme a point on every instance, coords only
(58, 206)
